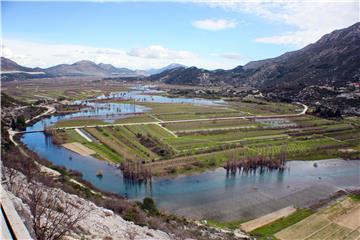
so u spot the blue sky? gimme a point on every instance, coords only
(153, 34)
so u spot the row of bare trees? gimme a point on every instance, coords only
(265, 160)
(135, 170)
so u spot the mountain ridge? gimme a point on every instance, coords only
(81, 68)
(334, 59)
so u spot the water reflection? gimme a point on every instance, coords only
(186, 191)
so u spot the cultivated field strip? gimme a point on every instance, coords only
(192, 142)
(268, 218)
(338, 221)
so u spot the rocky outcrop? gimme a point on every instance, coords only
(98, 222)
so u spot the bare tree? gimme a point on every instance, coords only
(52, 217)
(9, 175)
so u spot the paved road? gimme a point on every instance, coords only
(50, 109)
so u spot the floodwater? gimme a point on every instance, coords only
(211, 195)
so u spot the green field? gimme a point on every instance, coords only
(210, 124)
(136, 119)
(79, 122)
(198, 144)
(267, 231)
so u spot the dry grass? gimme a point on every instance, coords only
(338, 221)
(79, 148)
(268, 218)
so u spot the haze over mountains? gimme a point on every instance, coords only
(11, 70)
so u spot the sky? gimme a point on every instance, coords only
(144, 35)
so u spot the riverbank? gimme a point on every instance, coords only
(20, 158)
(101, 219)
(204, 150)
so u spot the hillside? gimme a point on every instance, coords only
(8, 65)
(333, 60)
(326, 72)
(10, 71)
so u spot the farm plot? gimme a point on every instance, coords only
(187, 116)
(268, 218)
(183, 108)
(345, 135)
(195, 161)
(79, 122)
(339, 221)
(210, 124)
(297, 146)
(311, 121)
(154, 130)
(131, 142)
(143, 118)
(79, 148)
(259, 107)
(70, 135)
(196, 140)
(110, 141)
(267, 231)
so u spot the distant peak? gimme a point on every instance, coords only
(83, 62)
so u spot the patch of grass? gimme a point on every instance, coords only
(130, 140)
(103, 135)
(79, 122)
(151, 129)
(355, 196)
(227, 225)
(136, 119)
(73, 136)
(210, 124)
(267, 231)
(105, 152)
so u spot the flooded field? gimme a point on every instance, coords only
(213, 194)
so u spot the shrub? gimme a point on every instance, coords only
(149, 205)
(131, 215)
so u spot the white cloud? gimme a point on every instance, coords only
(310, 19)
(214, 24)
(232, 56)
(160, 52)
(35, 54)
(298, 38)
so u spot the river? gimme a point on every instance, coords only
(213, 194)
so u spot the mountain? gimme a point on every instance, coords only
(113, 70)
(10, 71)
(168, 67)
(8, 65)
(198, 76)
(334, 60)
(88, 68)
(82, 68)
(326, 72)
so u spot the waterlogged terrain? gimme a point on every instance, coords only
(214, 194)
